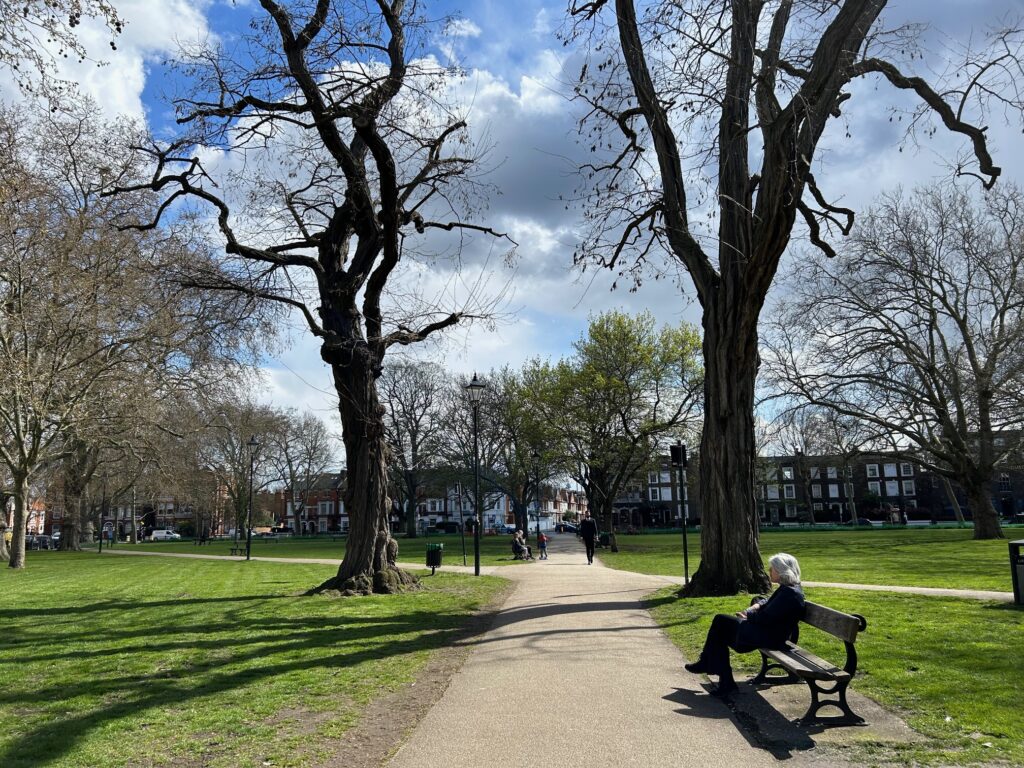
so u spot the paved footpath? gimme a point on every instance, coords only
(575, 672)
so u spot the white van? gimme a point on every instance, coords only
(164, 535)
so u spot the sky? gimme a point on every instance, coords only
(515, 96)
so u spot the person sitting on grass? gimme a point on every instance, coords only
(768, 623)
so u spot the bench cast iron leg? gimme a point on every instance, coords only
(839, 689)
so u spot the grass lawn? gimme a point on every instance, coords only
(920, 557)
(144, 662)
(951, 667)
(494, 550)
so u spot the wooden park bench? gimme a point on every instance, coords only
(822, 677)
(237, 551)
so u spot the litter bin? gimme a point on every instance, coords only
(603, 539)
(434, 554)
(1017, 570)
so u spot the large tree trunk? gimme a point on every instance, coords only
(986, 521)
(370, 555)
(730, 559)
(20, 527)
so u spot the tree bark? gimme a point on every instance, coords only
(986, 521)
(730, 559)
(371, 553)
(20, 528)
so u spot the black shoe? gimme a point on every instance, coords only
(697, 667)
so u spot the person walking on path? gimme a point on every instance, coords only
(588, 532)
(767, 623)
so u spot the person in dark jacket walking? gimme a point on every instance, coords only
(768, 623)
(588, 532)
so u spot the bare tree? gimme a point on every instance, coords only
(303, 452)
(35, 33)
(918, 330)
(349, 156)
(700, 89)
(412, 394)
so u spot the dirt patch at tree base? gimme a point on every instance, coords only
(386, 723)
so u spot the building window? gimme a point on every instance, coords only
(907, 470)
(833, 473)
(875, 488)
(833, 490)
(324, 507)
(655, 494)
(791, 510)
(323, 526)
(872, 471)
(908, 488)
(890, 470)
(666, 478)
(892, 488)
(773, 493)
(666, 493)
(816, 506)
(816, 490)
(787, 473)
(1004, 482)
(344, 524)
(815, 473)
(652, 478)
(789, 491)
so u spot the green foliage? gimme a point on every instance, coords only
(950, 667)
(118, 661)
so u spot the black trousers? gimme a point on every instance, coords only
(589, 543)
(721, 637)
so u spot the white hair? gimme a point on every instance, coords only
(787, 567)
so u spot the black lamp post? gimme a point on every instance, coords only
(475, 391)
(536, 484)
(254, 445)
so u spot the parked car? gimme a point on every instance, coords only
(161, 534)
(56, 537)
(39, 541)
(507, 528)
(565, 528)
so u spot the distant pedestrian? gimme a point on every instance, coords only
(589, 532)
(542, 545)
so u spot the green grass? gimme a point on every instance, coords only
(494, 550)
(139, 661)
(951, 667)
(920, 557)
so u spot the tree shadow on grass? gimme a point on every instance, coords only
(283, 646)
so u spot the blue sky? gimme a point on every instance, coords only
(515, 91)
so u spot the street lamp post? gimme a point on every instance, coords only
(254, 445)
(536, 485)
(475, 391)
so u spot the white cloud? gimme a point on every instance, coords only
(462, 28)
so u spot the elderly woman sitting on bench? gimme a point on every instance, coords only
(768, 623)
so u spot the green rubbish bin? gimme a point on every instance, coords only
(1017, 570)
(603, 539)
(434, 554)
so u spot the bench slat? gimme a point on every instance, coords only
(806, 664)
(842, 625)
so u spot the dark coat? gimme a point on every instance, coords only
(588, 529)
(771, 625)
